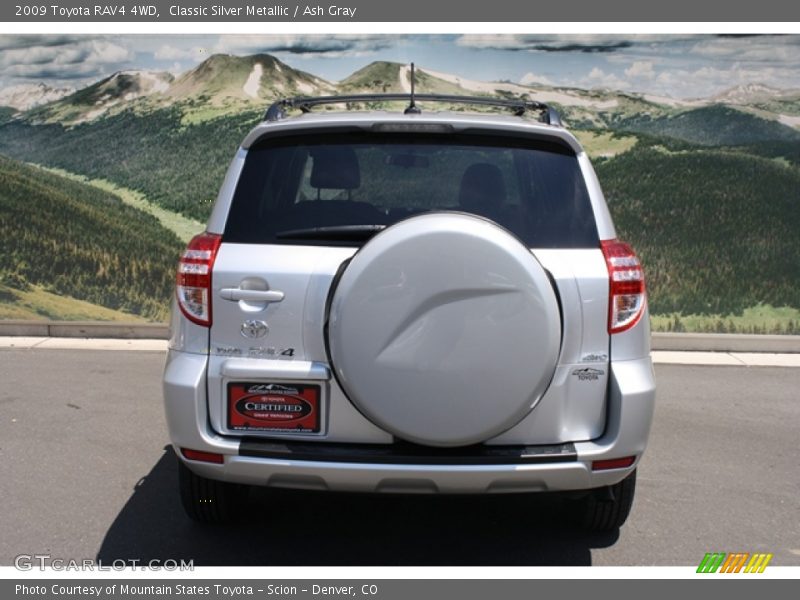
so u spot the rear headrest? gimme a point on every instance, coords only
(482, 188)
(335, 168)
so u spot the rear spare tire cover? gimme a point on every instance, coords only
(444, 330)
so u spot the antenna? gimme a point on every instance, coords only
(412, 109)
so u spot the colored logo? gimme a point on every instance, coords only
(737, 562)
(260, 406)
(274, 408)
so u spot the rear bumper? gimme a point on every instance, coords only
(630, 410)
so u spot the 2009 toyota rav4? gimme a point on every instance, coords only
(410, 302)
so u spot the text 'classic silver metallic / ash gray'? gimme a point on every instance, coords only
(410, 302)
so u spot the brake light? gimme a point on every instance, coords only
(626, 291)
(194, 277)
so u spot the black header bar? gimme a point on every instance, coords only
(348, 11)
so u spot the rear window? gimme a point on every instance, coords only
(337, 189)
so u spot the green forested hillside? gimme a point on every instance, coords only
(6, 112)
(716, 227)
(788, 152)
(717, 231)
(74, 240)
(178, 167)
(714, 125)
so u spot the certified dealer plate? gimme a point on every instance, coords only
(281, 407)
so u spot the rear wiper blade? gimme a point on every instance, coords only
(337, 232)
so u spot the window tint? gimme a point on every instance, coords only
(535, 190)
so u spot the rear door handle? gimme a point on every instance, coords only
(236, 294)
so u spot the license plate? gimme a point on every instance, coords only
(282, 407)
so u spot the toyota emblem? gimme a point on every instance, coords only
(254, 329)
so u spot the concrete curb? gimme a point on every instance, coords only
(726, 342)
(85, 329)
(681, 342)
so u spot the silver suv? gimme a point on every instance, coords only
(410, 302)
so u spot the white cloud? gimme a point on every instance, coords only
(547, 43)
(598, 78)
(641, 69)
(583, 43)
(80, 58)
(329, 46)
(772, 49)
(169, 52)
(104, 52)
(711, 80)
(9, 42)
(531, 78)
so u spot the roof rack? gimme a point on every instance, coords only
(548, 115)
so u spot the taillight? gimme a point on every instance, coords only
(626, 293)
(194, 277)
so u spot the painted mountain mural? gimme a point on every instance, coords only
(101, 185)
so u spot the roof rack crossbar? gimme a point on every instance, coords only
(277, 111)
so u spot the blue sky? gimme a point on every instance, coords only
(681, 66)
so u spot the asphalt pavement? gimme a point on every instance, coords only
(87, 474)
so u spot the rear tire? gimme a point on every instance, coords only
(209, 501)
(606, 509)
